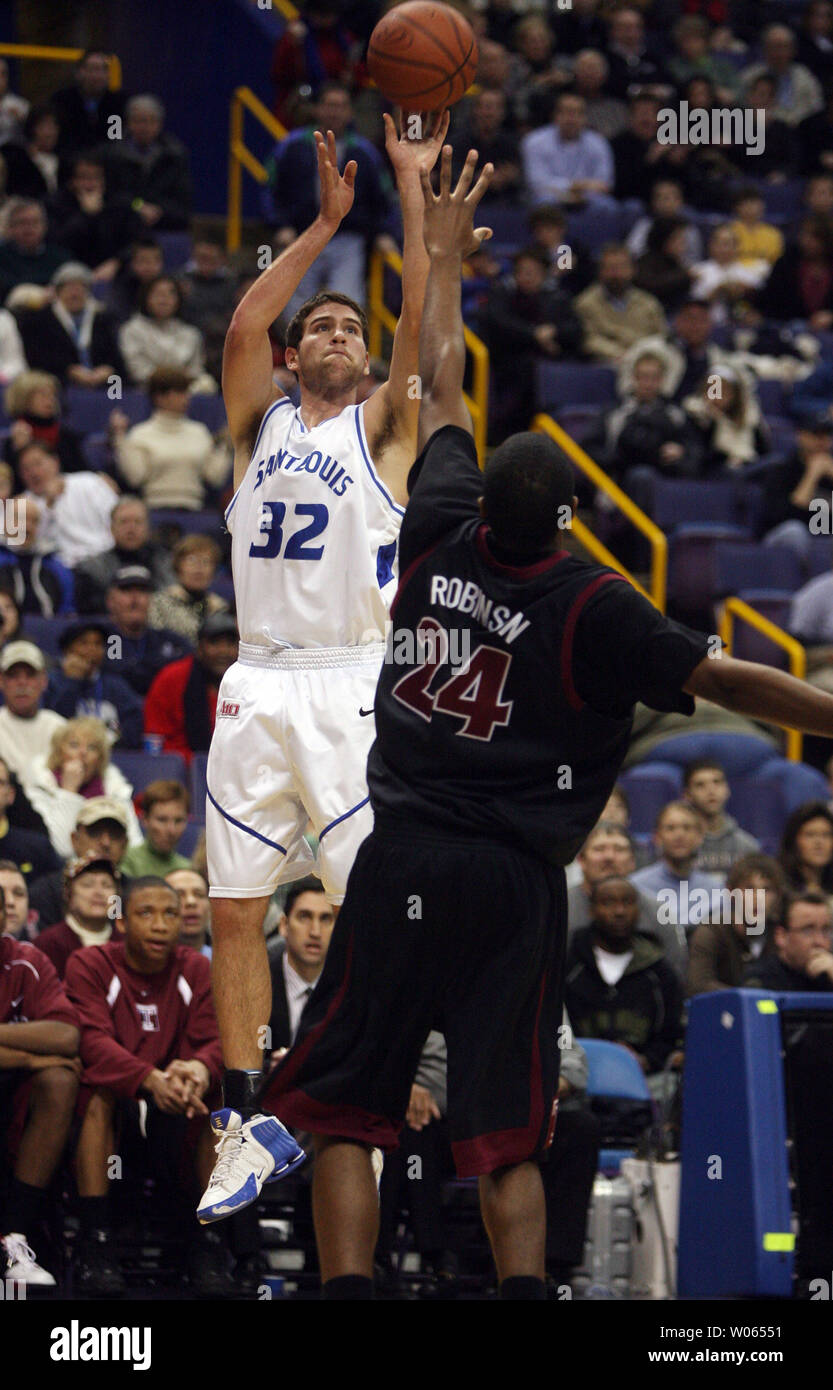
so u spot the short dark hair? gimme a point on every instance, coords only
(301, 885)
(763, 864)
(701, 765)
(165, 379)
(548, 215)
(295, 327)
(34, 118)
(814, 896)
(612, 878)
(677, 805)
(164, 790)
(148, 289)
(746, 192)
(135, 885)
(532, 253)
(525, 483)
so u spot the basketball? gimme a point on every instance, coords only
(422, 55)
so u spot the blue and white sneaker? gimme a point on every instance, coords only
(250, 1153)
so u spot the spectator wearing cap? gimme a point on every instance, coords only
(36, 579)
(101, 826)
(131, 546)
(170, 459)
(181, 705)
(151, 167)
(25, 728)
(75, 507)
(84, 685)
(138, 651)
(164, 816)
(185, 605)
(91, 886)
(77, 768)
(31, 852)
(85, 107)
(33, 405)
(74, 338)
(26, 256)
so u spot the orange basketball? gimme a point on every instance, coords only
(422, 55)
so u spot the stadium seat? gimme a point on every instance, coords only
(176, 248)
(692, 583)
(820, 560)
(771, 398)
(595, 226)
(782, 200)
(736, 753)
(679, 502)
(762, 800)
(751, 645)
(188, 523)
(88, 412)
(141, 768)
(96, 451)
(509, 223)
(44, 632)
(197, 783)
(191, 835)
(576, 384)
(614, 1074)
(209, 410)
(745, 565)
(649, 787)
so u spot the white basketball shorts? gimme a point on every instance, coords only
(290, 745)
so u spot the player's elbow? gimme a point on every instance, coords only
(715, 678)
(67, 1040)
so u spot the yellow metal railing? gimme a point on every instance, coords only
(733, 608)
(58, 55)
(657, 540)
(240, 157)
(380, 317)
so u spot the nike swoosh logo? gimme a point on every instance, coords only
(365, 712)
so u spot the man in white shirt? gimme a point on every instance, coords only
(25, 729)
(296, 963)
(75, 507)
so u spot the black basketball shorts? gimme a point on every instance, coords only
(462, 935)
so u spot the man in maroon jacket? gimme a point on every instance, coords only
(39, 1071)
(150, 1048)
(91, 886)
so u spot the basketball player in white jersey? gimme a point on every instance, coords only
(319, 497)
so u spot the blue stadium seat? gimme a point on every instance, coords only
(692, 551)
(89, 412)
(575, 384)
(197, 783)
(762, 800)
(595, 226)
(613, 1071)
(176, 248)
(509, 223)
(188, 843)
(782, 200)
(96, 451)
(210, 410)
(746, 565)
(751, 645)
(679, 501)
(771, 398)
(141, 768)
(820, 557)
(44, 632)
(649, 787)
(189, 523)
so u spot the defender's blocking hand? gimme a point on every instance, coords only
(448, 218)
(409, 155)
(336, 190)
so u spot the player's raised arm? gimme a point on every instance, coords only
(449, 237)
(764, 693)
(248, 387)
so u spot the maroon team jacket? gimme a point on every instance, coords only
(131, 1023)
(30, 990)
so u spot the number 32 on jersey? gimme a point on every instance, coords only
(273, 524)
(473, 694)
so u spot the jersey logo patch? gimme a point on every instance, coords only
(228, 710)
(149, 1014)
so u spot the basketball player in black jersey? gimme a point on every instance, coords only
(485, 778)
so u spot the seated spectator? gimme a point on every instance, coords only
(646, 430)
(537, 78)
(618, 985)
(21, 921)
(724, 280)
(756, 239)
(297, 959)
(722, 948)
(74, 508)
(815, 136)
(779, 153)
(91, 886)
(726, 418)
(806, 852)
(85, 107)
(95, 228)
(661, 269)
(100, 829)
(606, 114)
(33, 405)
(815, 40)
(631, 61)
(13, 108)
(150, 168)
(614, 314)
(693, 57)
(74, 337)
(83, 685)
(140, 651)
(25, 728)
(798, 93)
(315, 48)
(706, 787)
(157, 337)
(570, 263)
(638, 158)
(522, 322)
(791, 488)
(77, 768)
(181, 705)
(39, 1070)
(801, 283)
(208, 287)
(292, 202)
(32, 165)
(485, 131)
(140, 267)
(32, 853)
(666, 202)
(26, 256)
(565, 163)
(195, 903)
(673, 881)
(163, 818)
(131, 546)
(34, 578)
(169, 458)
(818, 195)
(801, 958)
(187, 603)
(155, 1039)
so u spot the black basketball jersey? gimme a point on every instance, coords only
(505, 702)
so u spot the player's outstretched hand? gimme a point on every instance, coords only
(417, 145)
(448, 218)
(336, 189)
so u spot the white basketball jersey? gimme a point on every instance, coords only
(314, 535)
